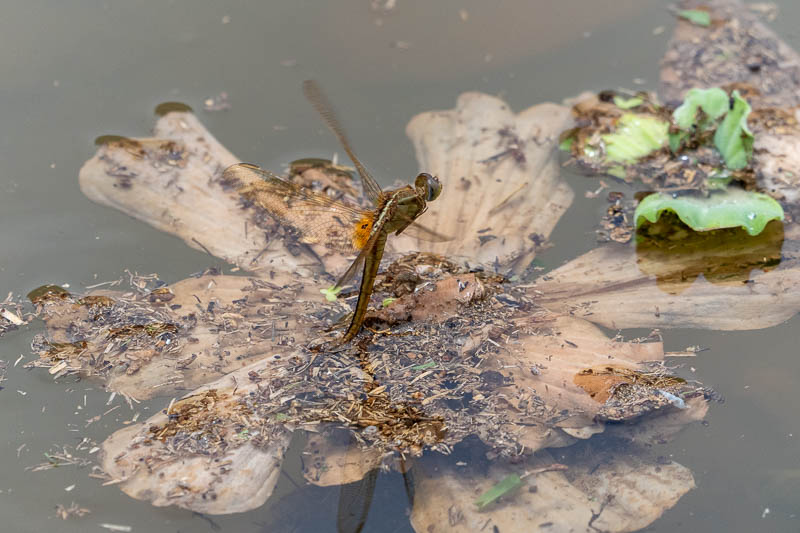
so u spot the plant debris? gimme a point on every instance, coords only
(73, 511)
(696, 16)
(154, 339)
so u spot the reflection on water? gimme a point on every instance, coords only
(677, 255)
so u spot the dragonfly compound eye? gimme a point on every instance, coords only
(431, 184)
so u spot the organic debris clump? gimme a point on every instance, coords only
(426, 385)
(11, 315)
(601, 128)
(99, 334)
(202, 423)
(625, 393)
(736, 48)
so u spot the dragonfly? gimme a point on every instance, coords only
(338, 225)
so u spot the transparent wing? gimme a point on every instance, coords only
(317, 98)
(355, 499)
(422, 233)
(319, 219)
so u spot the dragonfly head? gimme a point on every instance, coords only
(429, 184)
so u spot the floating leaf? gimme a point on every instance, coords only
(509, 483)
(627, 103)
(720, 209)
(733, 138)
(636, 136)
(714, 102)
(696, 16)
(331, 293)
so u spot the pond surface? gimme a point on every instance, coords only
(77, 70)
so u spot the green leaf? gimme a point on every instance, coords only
(331, 293)
(388, 301)
(627, 103)
(696, 16)
(509, 483)
(426, 366)
(719, 179)
(618, 171)
(714, 102)
(281, 417)
(675, 140)
(733, 138)
(635, 137)
(566, 144)
(720, 209)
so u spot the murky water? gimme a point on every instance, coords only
(76, 70)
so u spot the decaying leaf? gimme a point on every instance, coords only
(489, 371)
(600, 491)
(154, 342)
(172, 182)
(171, 460)
(337, 458)
(500, 175)
(746, 282)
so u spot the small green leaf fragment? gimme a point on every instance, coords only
(566, 144)
(508, 484)
(627, 103)
(714, 102)
(281, 417)
(331, 293)
(676, 140)
(618, 171)
(733, 138)
(730, 208)
(696, 16)
(426, 366)
(719, 179)
(388, 301)
(635, 137)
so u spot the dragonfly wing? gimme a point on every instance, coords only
(353, 269)
(317, 98)
(355, 499)
(418, 231)
(318, 218)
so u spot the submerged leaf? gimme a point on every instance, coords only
(733, 138)
(720, 209)
(509, 483)
(714, 102)
(696, 16)
(636, 136)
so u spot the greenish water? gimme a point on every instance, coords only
(76, 70)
